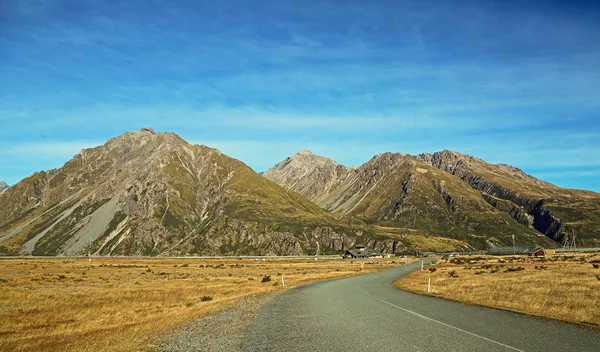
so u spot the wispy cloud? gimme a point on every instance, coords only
(512, 82)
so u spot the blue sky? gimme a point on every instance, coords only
(514, 82)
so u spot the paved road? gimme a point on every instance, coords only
(366, 313)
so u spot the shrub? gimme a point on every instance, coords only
(61, 276)
(432, 270)
(479, 272)
(206, 298)
(519, 268)
(184, 265)
(266, 278)
(452, 273)
(189, 304)
(596, 266)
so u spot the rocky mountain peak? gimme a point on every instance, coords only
(148, 193)
(462, 165)
(307, 173)
(3, 186)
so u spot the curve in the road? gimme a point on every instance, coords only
(367, 313)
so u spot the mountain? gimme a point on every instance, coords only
(445, 194)
(554, 211)
(312, 175)
(147, 193)
(3, 186)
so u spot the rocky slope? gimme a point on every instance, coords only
(553, 210)
(144, 193)
(312, 175)
(445, 194)
(3, 186)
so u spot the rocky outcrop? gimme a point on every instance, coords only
(549, 209)
(3, 187)
(545, 222)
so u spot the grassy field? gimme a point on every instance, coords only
(562, 287)
(110, 304)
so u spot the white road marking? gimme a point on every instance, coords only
(361, 290)
(453, 327)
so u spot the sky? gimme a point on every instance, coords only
(514, 82)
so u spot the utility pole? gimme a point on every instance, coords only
(415, 219)
(514, 248)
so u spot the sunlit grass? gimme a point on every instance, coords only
(560, 287)
(121, 304)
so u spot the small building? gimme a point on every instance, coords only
(361, 251)
(538, 252)
(522, 250)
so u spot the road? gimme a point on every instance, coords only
(365, 313)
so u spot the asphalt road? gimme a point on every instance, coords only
(365, 313)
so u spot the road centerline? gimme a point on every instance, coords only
(451, 326)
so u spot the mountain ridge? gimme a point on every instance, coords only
(474, 191)
(556, 211)
(147, 193)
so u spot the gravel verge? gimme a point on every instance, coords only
(220, 332)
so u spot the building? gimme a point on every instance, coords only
(538, 252)
(360, 251)
(522, 250)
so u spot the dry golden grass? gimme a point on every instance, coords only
(414, 239)
(112, 304)
(559, 287)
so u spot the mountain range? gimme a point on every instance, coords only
(147, 193)
(445, 194)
